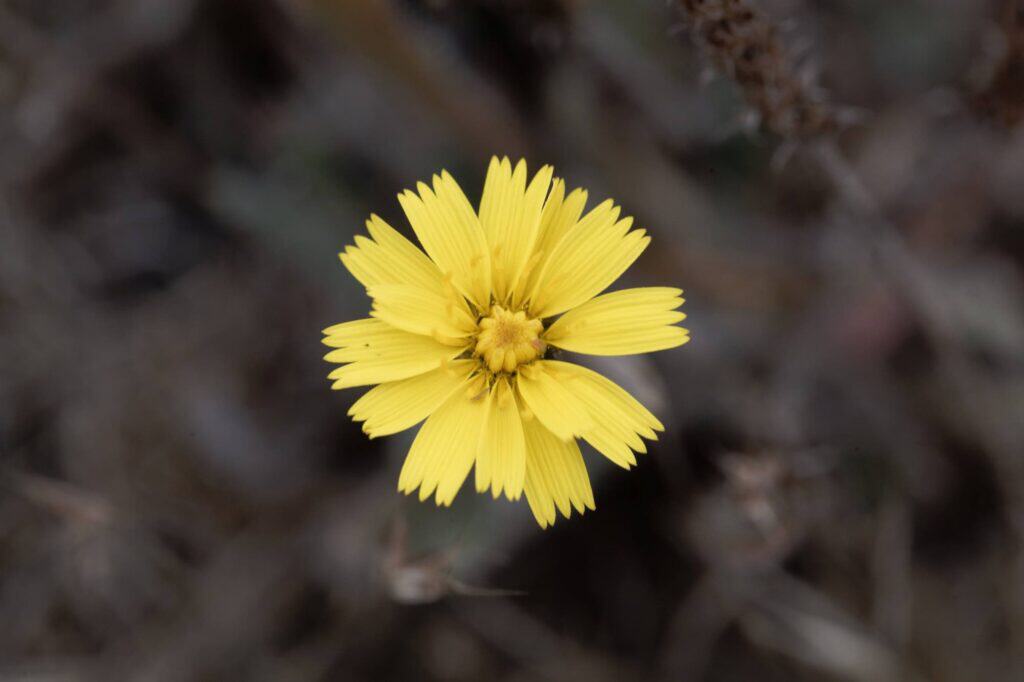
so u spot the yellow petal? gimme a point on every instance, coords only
(555, 475)
(510, 214)
(389, 258)
(450, 233)
(592, 255)
(399, 405)
(560, 214)
(501, 461)
(619, 420)
(552, 402)
(378, 353)
(419, 311)
(622, 323)
(445, 447)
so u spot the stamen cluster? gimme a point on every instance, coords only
(506, 340)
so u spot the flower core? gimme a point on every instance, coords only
(507, 340)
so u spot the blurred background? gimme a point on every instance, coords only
(838, 185)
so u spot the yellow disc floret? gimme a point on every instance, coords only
(507, 340)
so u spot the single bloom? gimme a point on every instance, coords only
(464, 335)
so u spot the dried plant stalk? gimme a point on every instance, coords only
(743, 42)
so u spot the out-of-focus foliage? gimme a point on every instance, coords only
(839, 494)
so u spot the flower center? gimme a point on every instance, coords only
(507, 340)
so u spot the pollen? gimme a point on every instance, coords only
(506, 340)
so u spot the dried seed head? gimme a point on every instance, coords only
(744, 43)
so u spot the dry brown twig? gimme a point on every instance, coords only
(740, 40)
(63, 499)
(745, 44)
(429, 578)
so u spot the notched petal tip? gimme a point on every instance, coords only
(499, 161)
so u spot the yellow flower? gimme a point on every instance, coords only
(463, 336)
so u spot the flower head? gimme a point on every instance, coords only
(462, 336)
